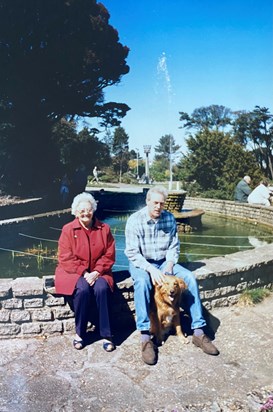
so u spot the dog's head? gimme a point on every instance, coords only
(171, 289)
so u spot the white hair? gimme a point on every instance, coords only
(83, 197)
(157, 189)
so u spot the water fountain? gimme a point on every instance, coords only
(187, 220)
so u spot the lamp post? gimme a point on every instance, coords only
(137, 157)
(171, 166)
(147, 150)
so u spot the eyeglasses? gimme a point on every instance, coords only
(85, 211)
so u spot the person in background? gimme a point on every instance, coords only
(242, 190)
(64, 189)
(96, 175)
(86, 255)
(260, 195)
(79, 180)
(152, 247)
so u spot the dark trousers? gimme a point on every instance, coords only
(83, 298)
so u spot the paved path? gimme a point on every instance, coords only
(49, 375)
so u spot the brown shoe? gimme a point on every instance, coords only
(148, 352)
(205, 344)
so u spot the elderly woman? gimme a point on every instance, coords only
(85, 257)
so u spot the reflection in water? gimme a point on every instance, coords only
(220, 236)
(255, 242)
(37, 255)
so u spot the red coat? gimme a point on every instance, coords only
(75, 256)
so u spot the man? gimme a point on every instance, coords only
(96, 175)
(260, 195)
(242, 190)
(152, 247)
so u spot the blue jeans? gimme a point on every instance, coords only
(142, 290)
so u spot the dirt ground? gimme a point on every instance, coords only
(50, 375)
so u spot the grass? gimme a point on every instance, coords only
(251, 297)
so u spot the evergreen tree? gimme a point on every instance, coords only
(120, 151)
(216, 163)
(211, 117)
(255, 130)
(56, 59)
(166, 153)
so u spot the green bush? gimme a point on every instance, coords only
(253, 296)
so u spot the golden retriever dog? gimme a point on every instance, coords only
(165, 309)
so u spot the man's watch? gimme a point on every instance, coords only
(168, 273)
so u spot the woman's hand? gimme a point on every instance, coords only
(91, 277)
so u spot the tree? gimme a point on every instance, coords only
(165, 148)
(120, 151)
(136, 163)
(80, 148)
(56, 59)
(211, 117)
(216, 162)
(165, 157)
(255, 129)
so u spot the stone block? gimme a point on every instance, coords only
(126, 295)
(201, 294)
(241, 286)
(233, 299)
(33, 303)
(49, 284)
(207, 305)
(209, 294)
(19, 316)
(41, 315)
(63, 313)
(5, 288)
(4, 316)
(54, 301)
(69, 325)
(131, 306)
(126, 284)
(9, 330)
(31, 329)
(27, 286)
(52, 327)
(227, 290)
(217, 303)
(12, 303)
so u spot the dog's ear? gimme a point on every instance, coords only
(182, 284)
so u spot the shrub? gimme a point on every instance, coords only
(253, 296)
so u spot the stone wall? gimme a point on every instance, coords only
(222, 279)
(254, 213)
(29, 306)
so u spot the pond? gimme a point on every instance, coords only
(37, 254)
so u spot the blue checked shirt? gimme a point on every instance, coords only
(148, 239)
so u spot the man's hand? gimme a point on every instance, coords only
(156, 275)
(91, 277)
(168, 270)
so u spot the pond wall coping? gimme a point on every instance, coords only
(257, 214)
(29, 306)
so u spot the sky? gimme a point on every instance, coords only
(186, 54)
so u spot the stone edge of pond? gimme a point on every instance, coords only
(29, 306)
